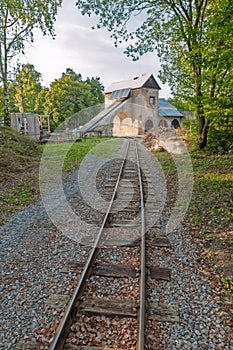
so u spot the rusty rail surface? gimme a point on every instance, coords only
(141, 321)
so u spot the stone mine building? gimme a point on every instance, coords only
(133, 107)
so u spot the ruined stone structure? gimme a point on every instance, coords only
(29, 124)
(133, 107)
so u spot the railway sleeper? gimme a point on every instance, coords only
(120, 271)
(109, 307)
(76, 347)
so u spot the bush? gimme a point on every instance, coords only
(219, 141)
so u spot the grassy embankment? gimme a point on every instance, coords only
(19, 168)
(209, 218)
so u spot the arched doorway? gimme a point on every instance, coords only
(175, 124)
(123, 125)
(126, 126)
(149, 125)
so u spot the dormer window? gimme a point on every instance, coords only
(152, 100)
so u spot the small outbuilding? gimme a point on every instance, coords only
(169, 116)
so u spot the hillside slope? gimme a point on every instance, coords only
(19, 168)
(18, 153)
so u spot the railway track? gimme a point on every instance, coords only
(122, 234)
(128, 170)
(115, 305)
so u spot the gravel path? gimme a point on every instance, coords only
(33, 254)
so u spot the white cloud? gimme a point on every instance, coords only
(89, 52)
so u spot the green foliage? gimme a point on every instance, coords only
(179, 104)
(28, 87)
(228, 284)
(69, 95)
(219, 137)
(66, 96)
(41, 101)
(220, 141)
(13, 105)
(97, 89)
(18, 18)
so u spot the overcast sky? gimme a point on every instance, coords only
(89, 52)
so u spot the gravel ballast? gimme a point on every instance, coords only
(34, 253)
(203, 323)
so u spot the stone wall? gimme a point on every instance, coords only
(131, 119)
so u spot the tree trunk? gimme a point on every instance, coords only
(7, 118)
(203, 135)
(203, 124)
(4, 76)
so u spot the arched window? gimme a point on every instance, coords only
(149, 125)
(163, 123)
(175, 124)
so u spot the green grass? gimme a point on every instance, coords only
(107, 150)
(19, 159)
(211, 204)
(17, 195)
(14, 199)
(19, 165)
(17, 152)
(72, 153)
(209, 216)
(170, 173)
(78, 151)
(212, 195)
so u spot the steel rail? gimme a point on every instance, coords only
(63, 331)
(141, 321)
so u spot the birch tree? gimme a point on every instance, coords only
(18, 18)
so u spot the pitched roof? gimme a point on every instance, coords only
(135, 83)
(166, 109)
